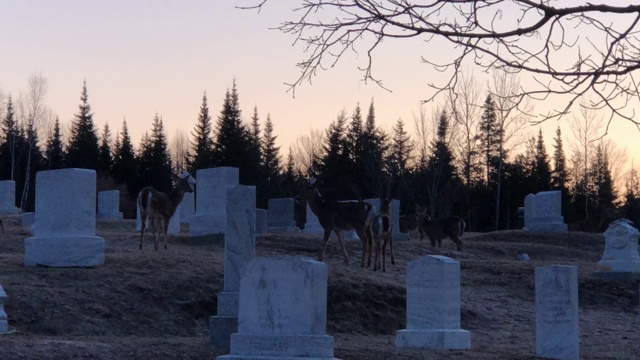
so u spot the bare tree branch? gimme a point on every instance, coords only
(568, 48)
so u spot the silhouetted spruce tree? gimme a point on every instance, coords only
(54, 151)
(259, 176)
(271, 160)
(442, 182)
(332, 165)
(605, 194)
(155, 161)
(125, 165)
(491, 141)
(374, 146)
(201, 155)
(12, 142)
(354, 149)
(105, 158)
(631, 207)
(232, 139)
(541, 172)
(82, 150)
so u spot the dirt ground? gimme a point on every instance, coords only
(144, 304)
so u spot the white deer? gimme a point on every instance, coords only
(160, 207)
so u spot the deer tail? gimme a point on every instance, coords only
(462, 226)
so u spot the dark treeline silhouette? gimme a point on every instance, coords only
(358, 160)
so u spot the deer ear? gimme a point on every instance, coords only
(312, 180)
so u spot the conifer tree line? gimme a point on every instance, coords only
(459, 160)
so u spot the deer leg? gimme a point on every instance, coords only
(422, 234)
(376, 260)
(143, 225)
(393, 257)
(155, 227)
(433, 242)
(325, 239)
(369, 248)
(384, 256)
(344, 247)
(458, 244)
(166, 228)
(366, 240)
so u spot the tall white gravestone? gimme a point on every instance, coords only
(65, 221)
(543, 212)
(395, 218)
(433, 306)
(283, 311)
(239, 249)
(109, 205)
(8, 197)
(211, 200)
(261, 221)
(621, 249)
(280, 216)
(557, 332)
(4, 325)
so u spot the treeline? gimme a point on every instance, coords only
(470, 174)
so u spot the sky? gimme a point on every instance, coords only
(142, 57)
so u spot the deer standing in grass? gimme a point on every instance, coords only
(438, 229)
(381, 232)
(409, 223)
(160, 207)
(335, 216)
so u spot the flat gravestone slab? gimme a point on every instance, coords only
(211, 199)
(109, 205)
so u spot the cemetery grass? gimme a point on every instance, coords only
(144, 304)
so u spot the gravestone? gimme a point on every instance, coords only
(557, 332)
(27, 219)
(282, 313)
(543, 212)
(187, 207)
(239, 249)
(4, 324)
(433, 306)
(621, 249)
(211, 200)
(174, 223)
(109, 205)
(312, 227)
(8, 197)
(280, 216)
(65, 238)
(395, 218)
(261, 221)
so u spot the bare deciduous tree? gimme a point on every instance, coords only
(179, 149)
(568, 48)
(306, 149)
(586, 127)
(465, 108)
(33, 114)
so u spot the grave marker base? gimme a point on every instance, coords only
(433, 339)
(69, 251)
(285, 347)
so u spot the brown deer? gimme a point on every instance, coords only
(2, 226)
(381, 233)
(409, 223)
(335, 216)
(160, 207)
(438, 229)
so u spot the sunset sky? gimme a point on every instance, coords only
(143, 57)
